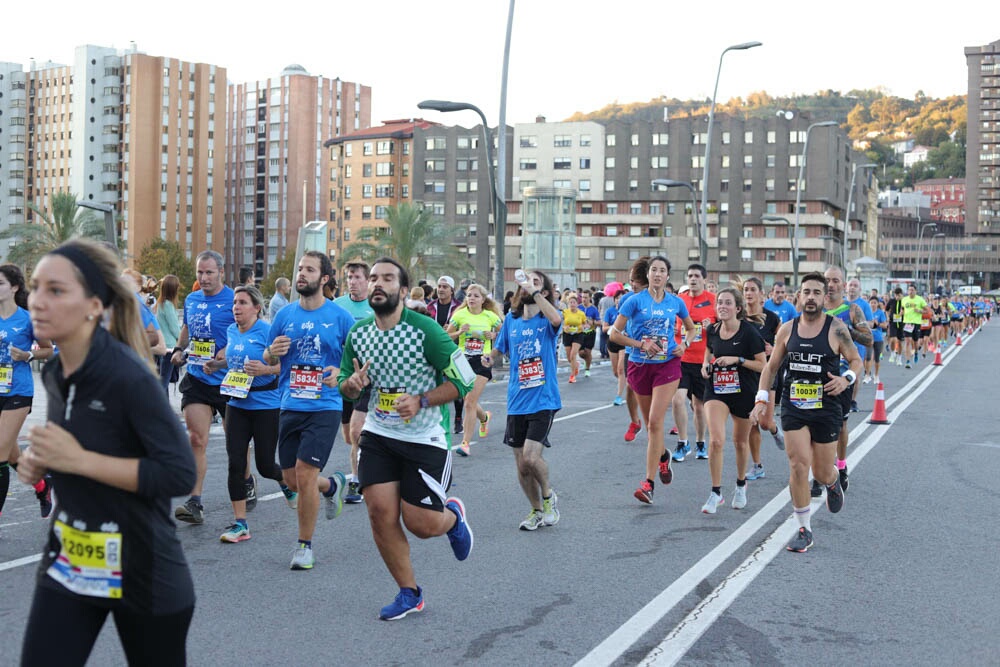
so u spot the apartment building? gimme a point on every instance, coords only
(982, 159)
(277, 170)
(754, 172)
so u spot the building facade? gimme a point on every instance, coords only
(278, 174)
(982, 159)
(947, 198)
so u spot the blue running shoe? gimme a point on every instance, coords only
(680, 452)
(460, 534)
(405, 603)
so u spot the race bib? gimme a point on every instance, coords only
(385, 405)
(89, 563)
(236, 384)
(726, 381)
(306, 381)
(697, 334)
(571, 330)
(806, 395)
(663, 346)
(201, 350)
(6, 378)
(474, 346)
(908, 328)
(530, 373)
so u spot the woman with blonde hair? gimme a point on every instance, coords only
(475, 324)
(117, 454)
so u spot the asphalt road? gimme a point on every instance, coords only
(906, 574)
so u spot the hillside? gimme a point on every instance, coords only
(872, 119)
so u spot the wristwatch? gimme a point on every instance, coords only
(742, 361)
(424, 402)
(31, 356)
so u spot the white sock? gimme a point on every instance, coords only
(802, 514)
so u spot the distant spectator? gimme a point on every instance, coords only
(282, 290)
(170, 326)
(246, 276)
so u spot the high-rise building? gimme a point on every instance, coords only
(982, 158)
(278, 173)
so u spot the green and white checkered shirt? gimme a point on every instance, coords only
(413, 357)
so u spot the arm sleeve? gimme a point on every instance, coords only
(346, 361)
(166, 463)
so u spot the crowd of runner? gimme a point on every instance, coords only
(397, 369)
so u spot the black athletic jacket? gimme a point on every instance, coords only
(113, 404)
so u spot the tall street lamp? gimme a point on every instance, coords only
(110, 234)
(671, 183)
(802, 168)
(499, 206)
(847, 212)
(794, 242)
(920, 236)
(703, 250)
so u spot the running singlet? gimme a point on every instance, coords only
(701, 308)
(843, 313)
(317, 342)
(207, 319)
(531, 347)
(737, 379)
(359, 310)
(15, 376)
(807, 364)
(472, 342)
(649, 320)
(246, 392)
(413, 357)
(573, 321)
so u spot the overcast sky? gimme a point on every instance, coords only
(566, 55)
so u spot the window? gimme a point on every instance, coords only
(634, 139)
(745, 254)
(366, 191)
(791, 185)
(348, 150)
(609, 163)
(748, 137)
(584, 185)
(584, 253)
(747, 161)
(794, 159)
(771, 138)
(770, 160)
(635, 230)
(383, 190)
(529, 163)
(609, 254)
(746, 208)
(633, 255)
(726, 138)
(384, 169)
(633, 185)
(383, 148)
(434, 165)
(380, 212)
(584, 139)
(609, 140)
(461, 209)
(347, 216)
(347, 232)
(347, 192)
(366, 148)
(661, 139)
(659, 162)
(435, 143)
(633, 162)
(655, 208)
(366, 212)
(526, 184)
(462, 142)
(796, 136)
(724, 185)
(562, 184)
(562, 163)
(562, 141)
(611, 230)
(529, 141)
(366, 170)
(698, 161)
(612, 210)
(725, 161)
(769, 185)
(609, 186)
(585, 163)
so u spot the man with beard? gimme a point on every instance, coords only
(441, 310)
(855, 297)
(810, 347)
(857, 326)
(777, 303)
(414, 370)
(308, 338)
(206, 317)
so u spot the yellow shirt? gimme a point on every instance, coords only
(573, 321)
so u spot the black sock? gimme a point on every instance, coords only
(651, 485)
(741, 482)
(717, 490)
(4, 483)
(664, 456)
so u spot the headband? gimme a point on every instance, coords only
(91, 274)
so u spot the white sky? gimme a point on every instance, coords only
(566, 55)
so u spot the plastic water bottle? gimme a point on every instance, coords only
(520, 276)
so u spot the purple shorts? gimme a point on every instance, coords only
(643, 378)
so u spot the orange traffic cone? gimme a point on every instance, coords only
(937, 357)
(878, 414)
(958, 339)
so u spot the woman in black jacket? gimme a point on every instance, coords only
(117, 454)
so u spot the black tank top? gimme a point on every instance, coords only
(807, 362)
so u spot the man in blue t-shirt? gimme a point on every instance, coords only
(855, 297)
(205, 322)
(778, 305)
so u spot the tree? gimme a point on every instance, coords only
(62, 222)
(416, 239)
(159, 258)
(283, 268)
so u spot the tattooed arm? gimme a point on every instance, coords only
(861, 333)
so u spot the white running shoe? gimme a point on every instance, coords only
(867, 380)
(739, 497)
(712, 504)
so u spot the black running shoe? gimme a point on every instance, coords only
(843, 478)
(801, 542)
(251, 485)
(45, 499)
(817, 489)
(835, 497)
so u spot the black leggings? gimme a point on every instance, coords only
(241, 426)
(62, 629)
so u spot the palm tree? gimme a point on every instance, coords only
(62, 222)
(416, 239)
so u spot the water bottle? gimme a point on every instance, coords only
(520, 276)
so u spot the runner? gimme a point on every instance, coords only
(205, 321)
(913, 316)
(854, 297)
(308, 337)
(894, 311)
(414, 370)
(441, 310)
(528, 337)
(17, 384)
(878, 325)
(638, 281)
(252, 411)
(352, 419)
(117, 454)
(589, 338)
(574, 322)
(778, 305)
(811, 345)
(654, 362)
(700, 303)
(475, 324)
(614, 349)
(766, 323)
(734, 357)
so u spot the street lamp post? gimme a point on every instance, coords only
(847, 212)
(499, 206)
(802, 168)
(793, 241)
(703, 224)
(110, 234)
(920, 236)
(671, 183)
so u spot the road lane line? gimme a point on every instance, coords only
(620, 641)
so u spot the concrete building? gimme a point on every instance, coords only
(982, 159)
(947, 198)
(278, 177)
